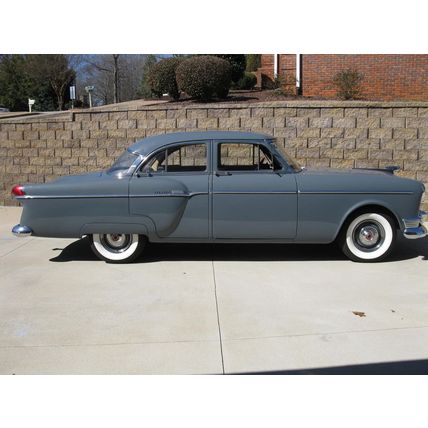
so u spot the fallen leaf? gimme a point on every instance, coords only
(359, 314)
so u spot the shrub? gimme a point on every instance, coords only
(162, 78)
(237, 64)
(348, 84)
(247, 81)
(254, 61)
(204, 77)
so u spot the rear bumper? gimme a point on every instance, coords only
(21, 231)
(414, 227)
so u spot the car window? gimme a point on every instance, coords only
(182, 158)
(123, 163)
(245, 157)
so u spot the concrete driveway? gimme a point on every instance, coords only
(209, 309)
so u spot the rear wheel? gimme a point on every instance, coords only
(368, 237)
(117, 247)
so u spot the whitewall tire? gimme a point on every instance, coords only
(117, 247)
(368, 237)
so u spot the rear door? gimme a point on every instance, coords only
(253, 197)
(171, 188)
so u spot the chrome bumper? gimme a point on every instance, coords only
(21, 231)
(414, 227)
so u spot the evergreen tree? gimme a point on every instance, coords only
(145, 90)
(14, 82)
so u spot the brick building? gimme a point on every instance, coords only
(386, 77)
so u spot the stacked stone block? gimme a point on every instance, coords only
(326, 134)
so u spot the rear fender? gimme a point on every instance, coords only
(91, 228)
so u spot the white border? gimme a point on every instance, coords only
(197, 26)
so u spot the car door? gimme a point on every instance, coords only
(171, 188)
(253, 196)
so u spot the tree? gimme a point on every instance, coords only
(43, 77)
(52, 69)
(115, 77)
(253, 62)
(14, 82)
(145, 90)
(237, 63)
(111, 67)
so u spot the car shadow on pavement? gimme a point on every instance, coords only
(406, 367)
(81, 251)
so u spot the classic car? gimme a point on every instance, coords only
(228, 187)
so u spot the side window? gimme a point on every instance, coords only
(245, 157)
(182, 158)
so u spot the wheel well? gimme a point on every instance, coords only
(370, 208)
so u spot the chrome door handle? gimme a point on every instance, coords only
(222, 173)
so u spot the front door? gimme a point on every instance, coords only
(171, 188)
(253, 197)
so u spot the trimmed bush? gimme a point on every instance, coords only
(162, 78)
(248, 81)
(204, 77)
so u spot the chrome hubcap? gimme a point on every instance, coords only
(116, 242)
(369, 236)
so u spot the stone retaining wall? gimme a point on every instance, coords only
(319, 134)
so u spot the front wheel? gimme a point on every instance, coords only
(368, 237)
(117, 247)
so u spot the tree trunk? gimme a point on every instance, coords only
(116, 78)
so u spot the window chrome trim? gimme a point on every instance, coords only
(160, 149)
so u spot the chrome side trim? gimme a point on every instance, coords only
(173, 193)
(254, 193)
(69, 196)
(338, 192)
(21, 231)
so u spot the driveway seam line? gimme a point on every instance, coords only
(15, 249)
(325, 334)
(218, 317)
(66, 345)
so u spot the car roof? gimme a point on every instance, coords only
(149, 144)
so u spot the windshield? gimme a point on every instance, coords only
(123, 163)
(289, 159)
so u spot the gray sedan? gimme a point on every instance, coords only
(228, 187)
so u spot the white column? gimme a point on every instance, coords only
(298, 71)
(275, 65)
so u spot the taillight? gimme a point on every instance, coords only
(18, 190)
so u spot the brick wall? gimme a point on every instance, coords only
(319, 134)
(386, 77)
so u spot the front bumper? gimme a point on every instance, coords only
(414, 228)
(21, 231)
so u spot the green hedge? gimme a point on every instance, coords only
(162, 78)
(204, 77)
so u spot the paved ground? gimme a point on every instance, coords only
(209, 309)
